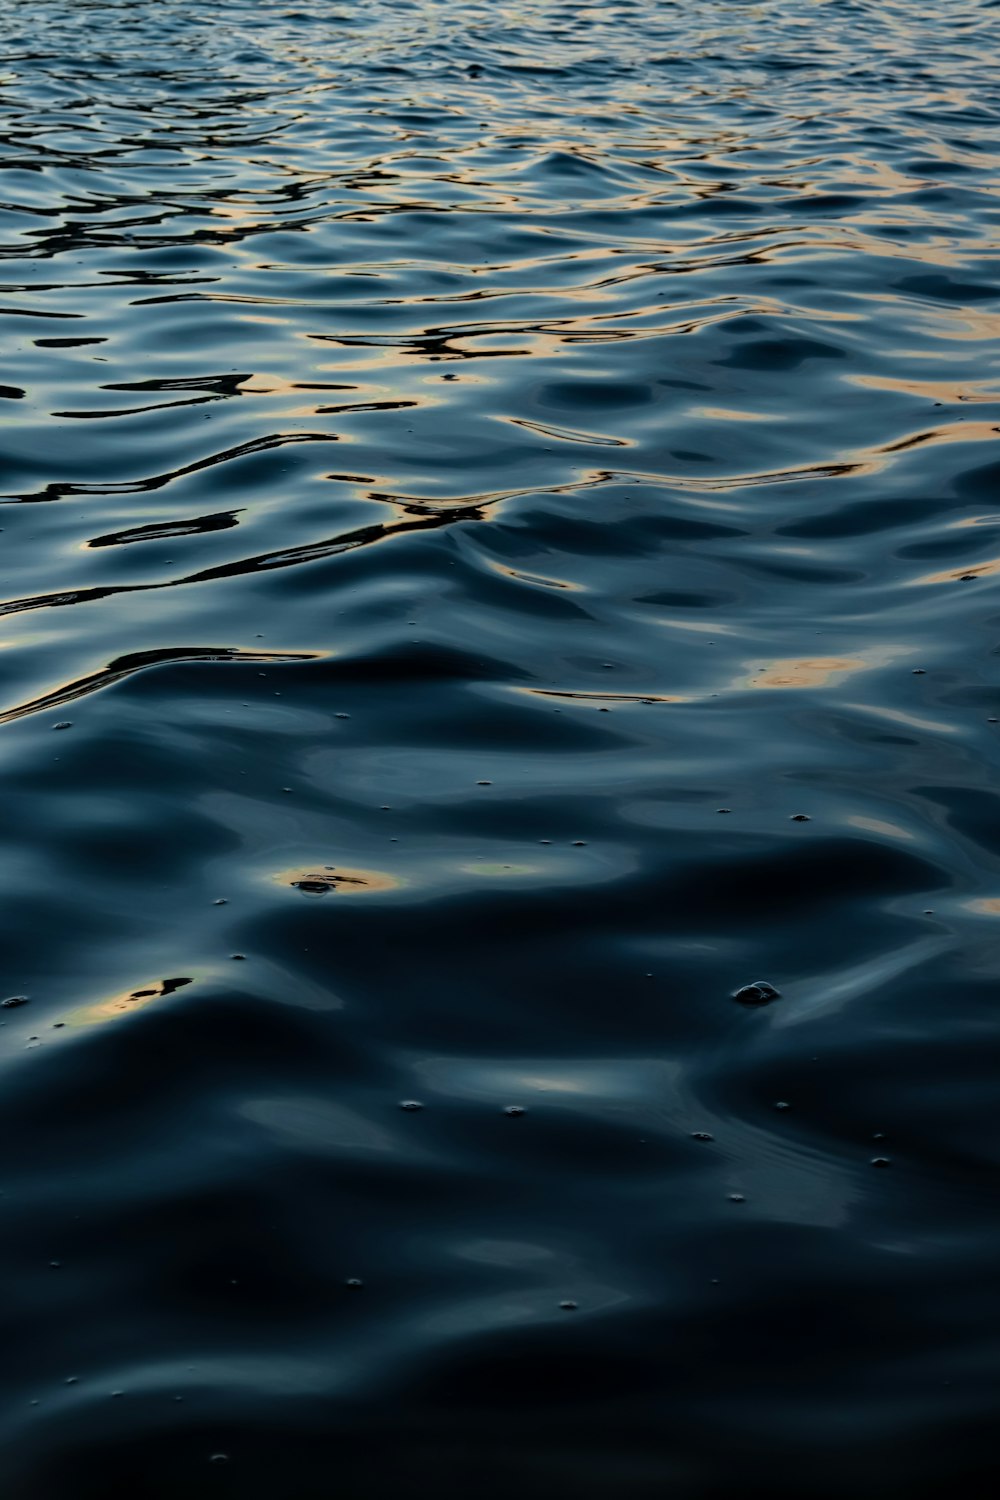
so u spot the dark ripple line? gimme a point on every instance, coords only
(60, 490)
(432, 514)
(138, 661)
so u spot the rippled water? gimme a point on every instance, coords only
(501, 504)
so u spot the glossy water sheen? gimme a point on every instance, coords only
(452, 453)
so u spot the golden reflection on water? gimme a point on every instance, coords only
(266, 384)
(931, 390)
(805, 671)
(263, 318)
(966, 521)
(241, 213)
(535, 578)
(124, 1004)
(964, 574)
(879, 826)
(953, 432)
(972, 325)
(986, 906)
(730, 414)
(325, 880)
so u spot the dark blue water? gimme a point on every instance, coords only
(500, 540)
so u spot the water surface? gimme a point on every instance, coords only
(500, 527)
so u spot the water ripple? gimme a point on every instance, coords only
(536, 512)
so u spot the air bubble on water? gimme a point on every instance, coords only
(410, 1105)
(569, 1306)
(737, 1198)
(759, 992)
(782, 1104)
(220, 902)
(13, 1001)
(723, 809)
(880, 1161)
(219, 1458)
(514, 1109)
(63, 724)
(800, 818)
(239, 956)
(701, 1135)
(354, 1282)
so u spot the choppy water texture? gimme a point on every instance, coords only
(501, 505)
